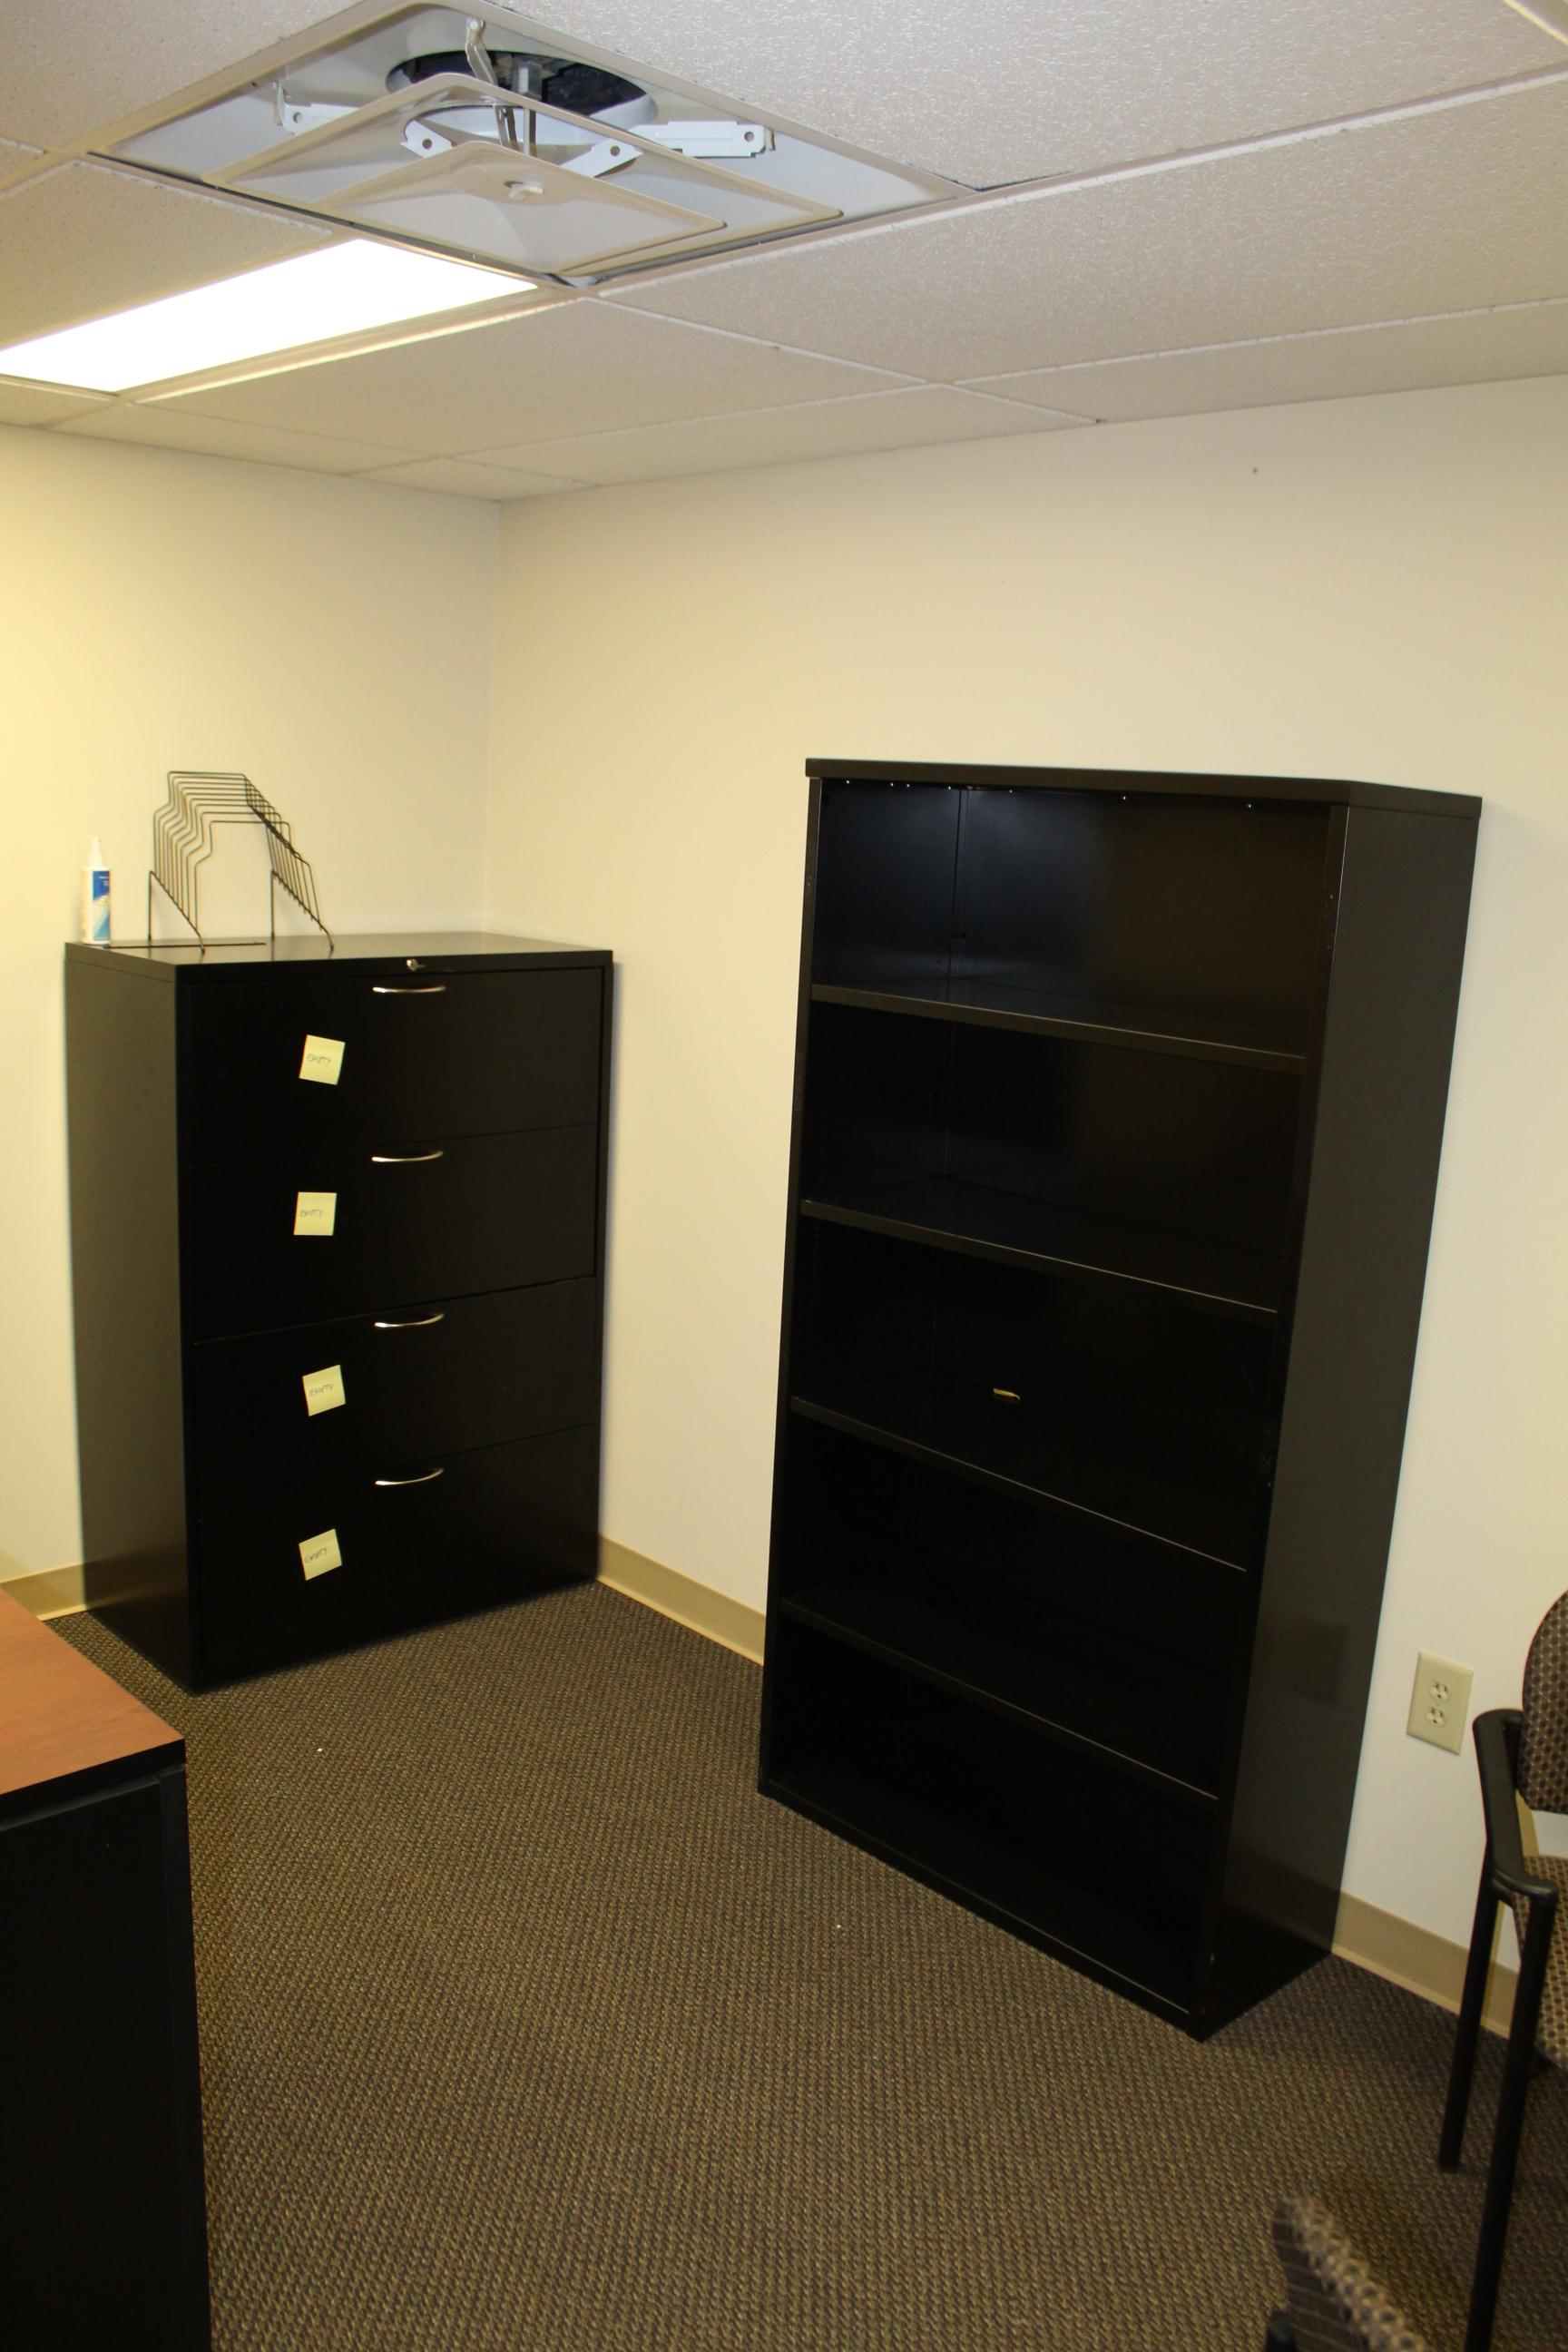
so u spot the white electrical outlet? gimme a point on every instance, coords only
(1440, 1702)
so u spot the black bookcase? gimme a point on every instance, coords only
(1118, 1099)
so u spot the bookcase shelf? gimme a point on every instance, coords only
(1060, 1465)
(1118, 1110)
(1090, 1864)
(1035, 1011)
(975, 1640)
(952, 1212)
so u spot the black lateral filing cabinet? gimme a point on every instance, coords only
(337, 1234)
(1118, 1110)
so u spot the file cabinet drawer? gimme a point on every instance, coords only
(322, 1059)
(463, 1533)
(373, 1392)
(317, 1234)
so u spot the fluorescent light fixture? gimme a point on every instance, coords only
(1551, 15)
(343, 290)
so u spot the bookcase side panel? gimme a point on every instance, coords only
(1386, 1050)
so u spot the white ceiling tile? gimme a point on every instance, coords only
(777, 436)
(27, 404)
(85, 238)
(210, 436)
(68, 72)
(981, 90)
(457, 475)
(18, 163)
(990, 90)
(1455, 208)
(578, 367)
(1476, 347)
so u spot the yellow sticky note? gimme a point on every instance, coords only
(322, 1061)
(315, 1212)
(318, 1553)
(323, 1390)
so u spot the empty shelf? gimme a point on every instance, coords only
(1099, 1927)
(958, 1215)
(1070, 1465)
(1049, 1015)
(1083, 1688)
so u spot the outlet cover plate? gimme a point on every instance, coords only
(1440, 1702)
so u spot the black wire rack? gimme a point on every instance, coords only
(184, 832)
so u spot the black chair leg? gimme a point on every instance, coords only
(1450, 2147)
(1516, 2070)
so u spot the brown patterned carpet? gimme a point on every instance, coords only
(528, 2026)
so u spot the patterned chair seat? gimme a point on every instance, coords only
(1332, 2302)
(1522, 1754)
(1552, 2026)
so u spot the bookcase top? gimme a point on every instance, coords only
(1406, 800)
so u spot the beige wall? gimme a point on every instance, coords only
(1371, 589)
(332, 640)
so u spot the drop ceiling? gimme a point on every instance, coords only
(1106, 210)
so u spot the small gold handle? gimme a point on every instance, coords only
(422, 1480)
(1008, 1396)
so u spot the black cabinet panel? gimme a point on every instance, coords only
(477, 1213)
(372, 1392)
(1118, 1108)
(429, 1539)
(443, 1053)
(359, 1310)
(107, 1988)
(103, 2226)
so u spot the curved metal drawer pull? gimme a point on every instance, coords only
(414, 1322)
(423, 1479)
(382, 988)
(403, 1159)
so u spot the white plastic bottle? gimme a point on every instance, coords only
(95, 898)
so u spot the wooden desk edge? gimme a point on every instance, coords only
(60, 1715)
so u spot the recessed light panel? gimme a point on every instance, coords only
(314, 298)
(1551, 15)
(485, 136)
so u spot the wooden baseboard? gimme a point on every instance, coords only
(725, 1621)
(1417, 1959)
(48, 1591)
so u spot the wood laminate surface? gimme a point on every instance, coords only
(61, 1715)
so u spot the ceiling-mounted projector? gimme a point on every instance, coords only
(494, 138)
(566, 82)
